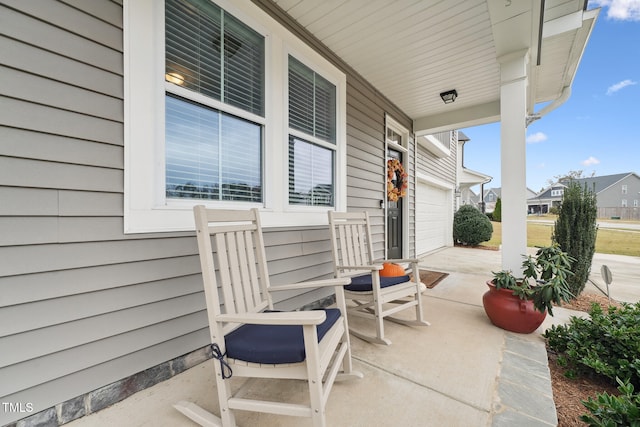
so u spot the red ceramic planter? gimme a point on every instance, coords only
(509, 312)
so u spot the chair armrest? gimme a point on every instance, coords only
(400, 260)
(311, 284)
(313, 317)
(370, 267)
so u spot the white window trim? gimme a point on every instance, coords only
(145, 207)
(340, 145)
(395, 125)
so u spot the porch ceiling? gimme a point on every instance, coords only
(411, 50)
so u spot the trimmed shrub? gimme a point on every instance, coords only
(497, 211)
(606, 344)
(575, 231)
(611, 410)
(470, 226)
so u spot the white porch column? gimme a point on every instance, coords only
(513, 111)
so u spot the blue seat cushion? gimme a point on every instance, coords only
(364, 283)
(274, 344)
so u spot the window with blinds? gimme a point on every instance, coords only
(312, 113)
(210, 153)
(310, 174)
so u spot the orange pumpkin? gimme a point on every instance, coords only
(390, 269)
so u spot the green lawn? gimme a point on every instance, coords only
(609, 241)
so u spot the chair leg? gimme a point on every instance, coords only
(369, 310)
(318, 415)
(314, 376)
(379, 320)
(419, 319)
(419, 310)
(348, 373)
(347, 364)
(224, 393)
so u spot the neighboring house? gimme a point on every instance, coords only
(548, 198)
(492, 195)
(617, 195)
(472, 198)
(490, 198)
(468, 178)
(116, 122)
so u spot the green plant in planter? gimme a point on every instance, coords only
(544, 278)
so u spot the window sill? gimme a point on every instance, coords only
(174, 218)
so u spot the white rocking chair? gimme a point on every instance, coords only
(374, 297)
(312, 346)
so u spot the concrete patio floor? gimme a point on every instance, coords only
(460, 371)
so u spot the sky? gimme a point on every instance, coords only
(597, 130)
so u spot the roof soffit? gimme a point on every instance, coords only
(410, 51)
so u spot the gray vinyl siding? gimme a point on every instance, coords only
(443, 168)
(632, 181)
(81, 304)
(366, 166)
(612, 196)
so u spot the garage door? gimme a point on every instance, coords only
(433, 217)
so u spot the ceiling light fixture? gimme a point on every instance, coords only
(449, 96)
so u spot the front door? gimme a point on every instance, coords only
(394, 211)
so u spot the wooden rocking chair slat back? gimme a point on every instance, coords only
(353, 245)
(234, 272)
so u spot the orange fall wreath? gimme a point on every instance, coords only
(395, 172)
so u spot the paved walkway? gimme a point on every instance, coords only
(515, 402)
(460, 371)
